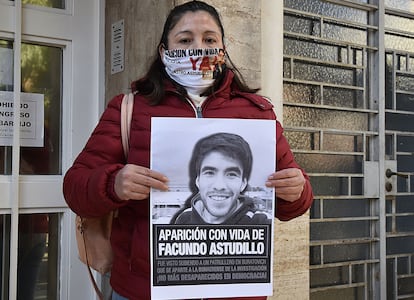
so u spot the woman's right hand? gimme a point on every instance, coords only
(134, 182)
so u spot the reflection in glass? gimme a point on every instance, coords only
(41, 68)
(46, 3)
(37, 256)
(37, 270)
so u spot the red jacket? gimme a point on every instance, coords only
(89, 184)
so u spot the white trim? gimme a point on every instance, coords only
(45, 41)
(49, 186)
(15, 186)
(101, 56)
(85, 88)
(65, 267)
(67, 107)
(379, 286)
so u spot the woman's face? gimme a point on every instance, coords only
(195, 30)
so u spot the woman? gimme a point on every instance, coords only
(101, 180)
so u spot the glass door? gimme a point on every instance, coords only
(42, 83)
(38, 234)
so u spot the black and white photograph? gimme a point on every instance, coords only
(214, 225)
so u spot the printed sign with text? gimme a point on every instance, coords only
(212, 231)
(31, 119)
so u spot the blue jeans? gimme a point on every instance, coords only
(116, 296)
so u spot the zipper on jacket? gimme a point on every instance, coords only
(199, 112)
(197, 109)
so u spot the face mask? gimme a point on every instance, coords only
(194, 69)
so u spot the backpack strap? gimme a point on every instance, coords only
(127, 106)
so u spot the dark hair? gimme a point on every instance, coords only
(152, 84)
(228, 144)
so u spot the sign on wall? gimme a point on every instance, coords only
(31, 119)
(117, 47)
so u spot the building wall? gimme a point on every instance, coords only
(254, 37)
(143, 21)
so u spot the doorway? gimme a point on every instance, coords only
(42, 83)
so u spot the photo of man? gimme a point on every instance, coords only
(220, 168)
(213, 227)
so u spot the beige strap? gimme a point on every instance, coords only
(127, 106)
(95, 285)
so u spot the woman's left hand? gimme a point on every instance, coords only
(288, 183)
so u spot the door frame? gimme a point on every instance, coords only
(79, 31)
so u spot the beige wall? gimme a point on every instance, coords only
(254, 41)
(143, 28)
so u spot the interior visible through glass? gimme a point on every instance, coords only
(47, 3)
(37, 271)
(41, 68)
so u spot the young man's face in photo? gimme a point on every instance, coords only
(220, 183)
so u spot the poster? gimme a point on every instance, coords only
(211, 233)
(31, 119)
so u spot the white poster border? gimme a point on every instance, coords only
(171, 140)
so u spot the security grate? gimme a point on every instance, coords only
(340, 108)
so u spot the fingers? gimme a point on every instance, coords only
(286, 178)
(288, 183)
(291, 194)
(135, 182)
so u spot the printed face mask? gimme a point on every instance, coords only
(194, 69)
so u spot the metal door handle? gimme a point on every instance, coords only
(390, 173)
